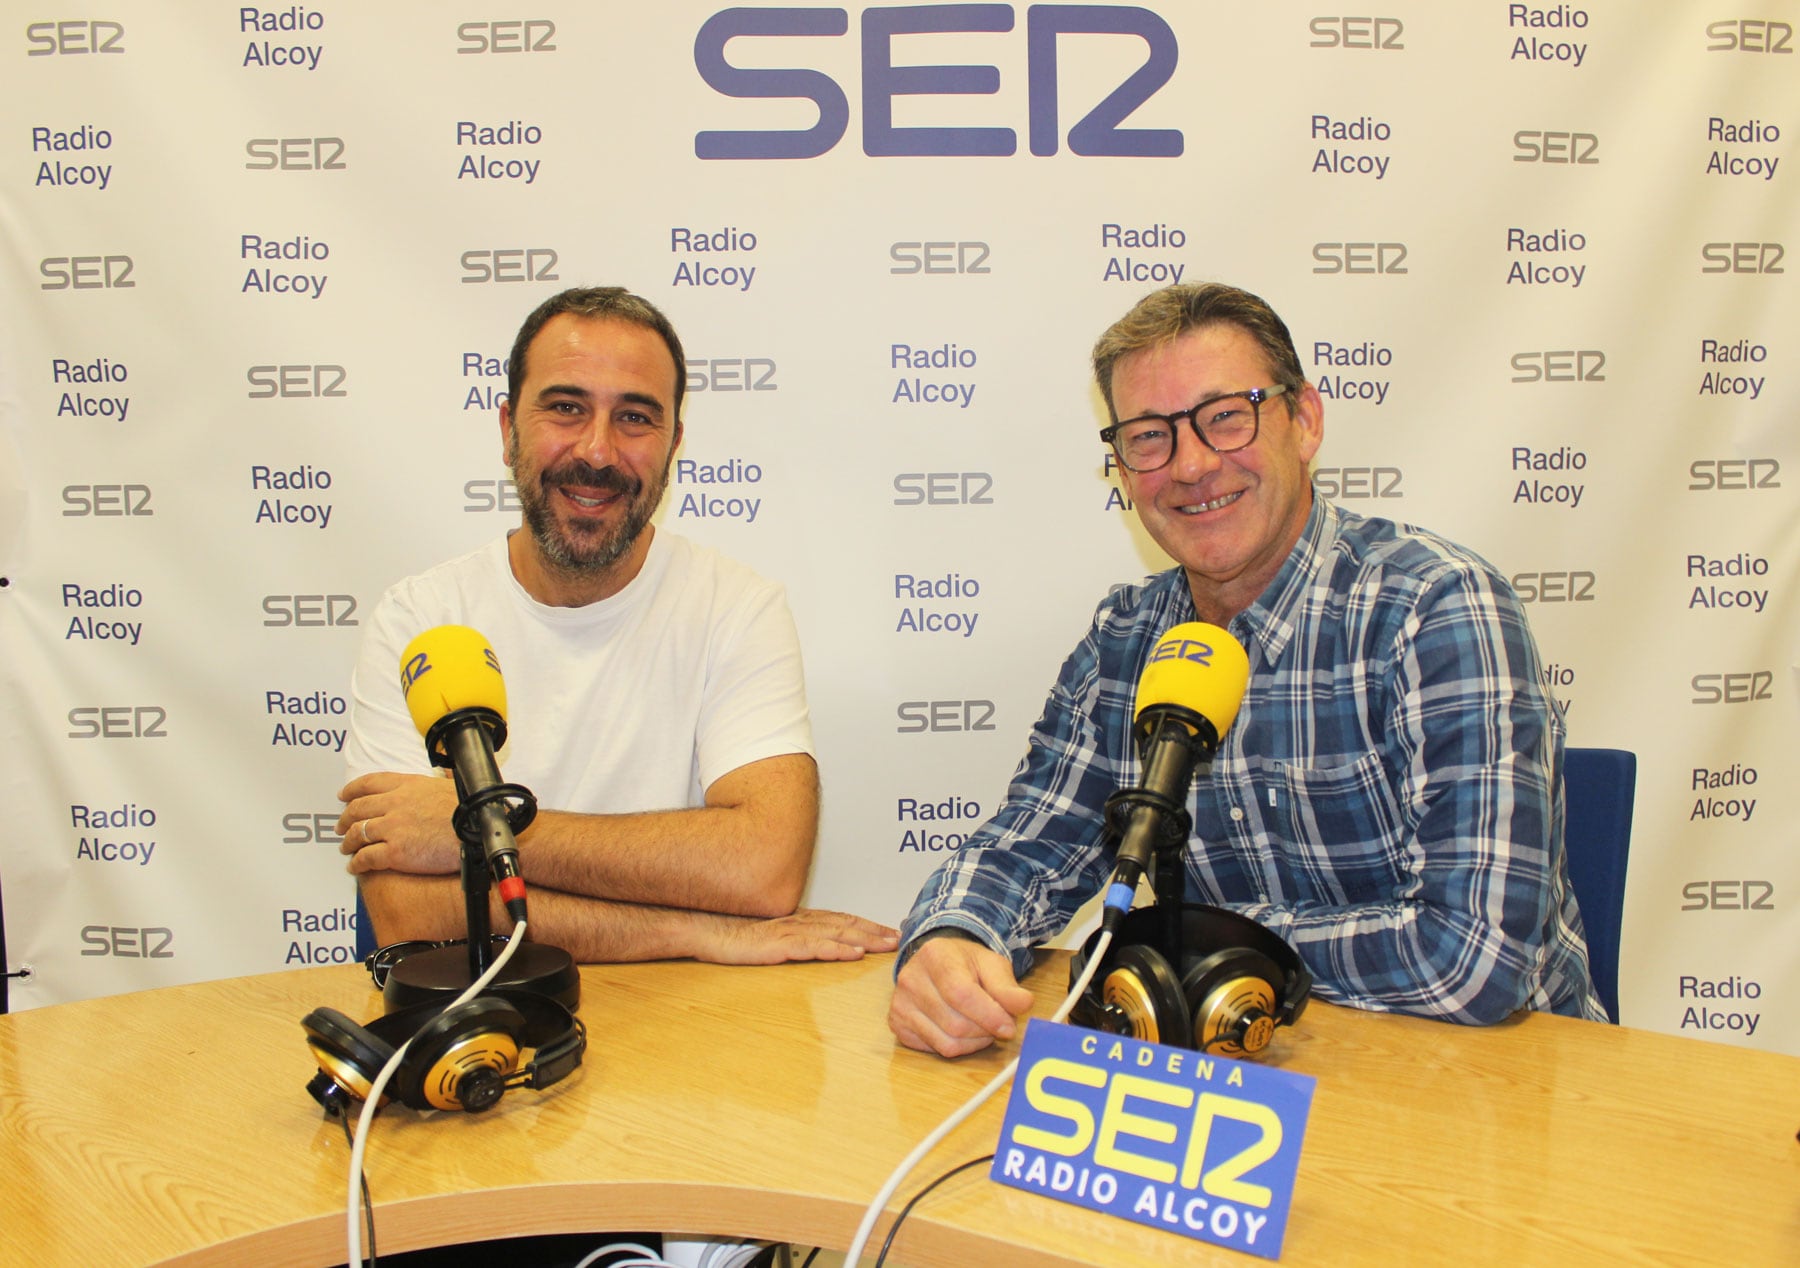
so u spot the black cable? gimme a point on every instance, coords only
(368, 1203)
(6, 974)
(807, 1262)
(913, 1201)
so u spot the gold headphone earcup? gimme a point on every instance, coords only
(461, 1058)
(350, 1055)
(1232, 997)
(1141, 997)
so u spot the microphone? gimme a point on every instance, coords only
(1187, 699)
(451, 679)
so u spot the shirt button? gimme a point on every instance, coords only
(1237, 813)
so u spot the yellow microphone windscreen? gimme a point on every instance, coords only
(447, 668)
(1200, 667)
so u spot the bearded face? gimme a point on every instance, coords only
(577, 541)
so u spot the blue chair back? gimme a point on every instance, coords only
(365, 932)
(1599, 788)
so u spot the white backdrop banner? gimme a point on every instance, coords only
(263, 266)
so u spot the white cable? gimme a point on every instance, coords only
(974, 1103)
(647, 1258)
(696, 1250)
(380, 1085)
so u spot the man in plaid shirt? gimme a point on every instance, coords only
(1389, 799)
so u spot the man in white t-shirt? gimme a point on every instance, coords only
(656, 706)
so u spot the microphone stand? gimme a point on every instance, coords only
(1169, 886)
(442, 973)
(477, 883)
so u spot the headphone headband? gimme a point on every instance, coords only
(464, 1057)
(1235, 983)
(1216, 928)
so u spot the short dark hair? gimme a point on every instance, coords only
(596, 301)
(1165, 315)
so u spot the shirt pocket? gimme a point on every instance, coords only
(1341, 833)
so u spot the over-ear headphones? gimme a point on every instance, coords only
(463, 1057)
(1235, 984)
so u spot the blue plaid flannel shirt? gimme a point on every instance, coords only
(1389, 799)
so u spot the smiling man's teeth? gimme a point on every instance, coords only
(1213, 505)
(588, 502)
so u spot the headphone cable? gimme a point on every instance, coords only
(887, 1243)
(367, 1117)
(950, 1124)
(368, 1203)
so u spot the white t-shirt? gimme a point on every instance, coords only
(637, 702)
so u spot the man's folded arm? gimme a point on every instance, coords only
(597, 931)
(746, 852)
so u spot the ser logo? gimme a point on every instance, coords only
(1733, 474)
(420, 665)
(731, 374)
(1728, 896)
(296, 154)
(1742, 688)
(943, 488)
(918, 716)
(1183, 649)
(86, 272)
(309, 828)
(1554, 587)
(510, 264)
(1096, 133)
(106, 500)
(118, 722)
(1556, 147)
(268, 381)
(1566, 365)
(516, 35)
(49, 39)
(1358, 482)
(939, 257)
(1370, 33)
(1359, 257)
(1749, 35)
(127, 942)
(309, 610)
(1742, 257)
(490, 495)
(413, 670)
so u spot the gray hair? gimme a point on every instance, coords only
(1163, 316)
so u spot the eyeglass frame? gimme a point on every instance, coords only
(1255, 395)
(381, 961)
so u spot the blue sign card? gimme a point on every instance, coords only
(1203, 1146)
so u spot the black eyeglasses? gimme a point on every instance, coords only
(381, 961)
(1225, 423)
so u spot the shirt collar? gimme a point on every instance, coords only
(1269, 621)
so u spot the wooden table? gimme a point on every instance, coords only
(172, 1125)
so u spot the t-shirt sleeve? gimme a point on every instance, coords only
(755, 704)
(382, 734)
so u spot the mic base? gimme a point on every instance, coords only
(441, 974)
